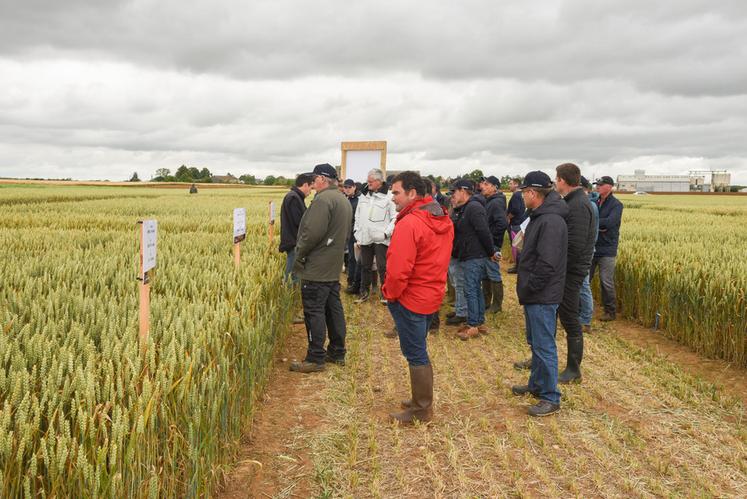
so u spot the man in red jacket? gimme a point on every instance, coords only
(417, 261)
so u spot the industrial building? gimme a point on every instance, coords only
(696, 181)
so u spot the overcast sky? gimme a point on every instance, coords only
(99, 89)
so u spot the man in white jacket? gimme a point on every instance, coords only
(374, 224)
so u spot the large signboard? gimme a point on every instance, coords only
(358, 158)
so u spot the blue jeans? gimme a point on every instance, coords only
(541, 324)
(474, 273)
(457, 282)
(586, 307)
(290, 258)
(412, 329)
(493, 270)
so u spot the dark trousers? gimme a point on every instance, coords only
(367, 256)
(324, 316)
(354, 268)
(568, 310)
(606, 266)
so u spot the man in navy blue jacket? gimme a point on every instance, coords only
(605, 252)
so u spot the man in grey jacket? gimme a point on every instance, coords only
(374, 224)
(320, 250)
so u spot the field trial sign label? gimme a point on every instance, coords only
(272, 212)
(150, 237)
(239, 225)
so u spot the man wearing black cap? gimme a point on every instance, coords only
(320, 250)
(495, 206)
(582, 225)
(605, 252)
(540, 284)
(291, 211)
(474, 245)
(354, 270)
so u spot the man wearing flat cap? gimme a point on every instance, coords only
(605, 251)
(320, 250)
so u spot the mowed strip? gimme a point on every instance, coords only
(638, 425)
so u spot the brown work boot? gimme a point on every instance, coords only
(483, 329)
(306, 367)
(470, 332)
(607, 317)
(421, 405)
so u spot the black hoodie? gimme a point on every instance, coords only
(291, 211)
(541, 274)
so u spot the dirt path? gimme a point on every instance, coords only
(650, 419)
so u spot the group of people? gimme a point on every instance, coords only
(419, 239)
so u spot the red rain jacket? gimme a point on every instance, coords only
(418, 257)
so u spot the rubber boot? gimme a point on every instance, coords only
(421, 404)
(450, 293)
(497, 305)
(572, 373)
(487, 292)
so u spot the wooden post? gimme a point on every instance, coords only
(147, 262)
(272, 221)
(144, 315)
(236, 254)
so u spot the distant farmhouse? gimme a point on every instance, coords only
(225, 179)
(719, 181)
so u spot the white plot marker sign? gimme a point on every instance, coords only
(150, 241)
(239, 233)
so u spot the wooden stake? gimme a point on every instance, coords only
(236, 254)
(271, 229)
(144, 313)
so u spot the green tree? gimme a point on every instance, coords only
(134, 178)
(475, 175)
(205, 175)
(183, 175)
(248, 179)
(270, 180)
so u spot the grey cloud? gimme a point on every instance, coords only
(678, 47)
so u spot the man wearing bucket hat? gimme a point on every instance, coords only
(320, 250)
(540, 285)
(605, 251)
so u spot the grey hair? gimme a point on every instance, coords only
(376, 174)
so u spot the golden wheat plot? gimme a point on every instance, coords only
(684, 258)
(82, 413)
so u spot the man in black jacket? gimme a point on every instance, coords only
(495, 207)
(291, 211)
(605, 254)
(582, 224)
(541, 280)
(354, 269)
(515, 215)
(474, 246)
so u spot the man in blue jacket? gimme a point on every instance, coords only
(540, 286)
(605, 252)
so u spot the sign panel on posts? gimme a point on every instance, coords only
(239, 225)
(358, 158)
(150, 238)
